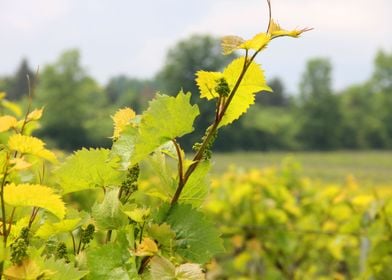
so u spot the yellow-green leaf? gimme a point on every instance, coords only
(7, 122)
(206, 81)
(19, 164)
(147, 247)
(35, 115)
(49, 229)
(363, 200)
(258, 42)
(230, 44)
(13, 107)
(121, 119)
(30, 145)
(138, 215)
(34, 196)
(162, 268)
(253, 82)
(276, 31)
(28, 270)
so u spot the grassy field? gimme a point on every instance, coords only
(368, 167)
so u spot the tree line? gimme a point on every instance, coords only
(77, 107)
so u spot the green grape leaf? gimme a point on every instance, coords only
(49, 229)
(253, 82)
(164, 235)
(124, 146)
(88, 169)
(112, 260)
(108, 214)
(167, 118)
(34, 196)
(63, 271)
(156, 165)
(197, 239)
(196, 188)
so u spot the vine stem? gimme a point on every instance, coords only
(199, 155)
(180, 163)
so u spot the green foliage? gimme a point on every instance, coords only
(108, 214)
(133, 231)
(98, 171)
(319, 109)
(111, 261)
(197, 239)
(167, 118)
(64, 271)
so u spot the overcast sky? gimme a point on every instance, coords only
(132, 37)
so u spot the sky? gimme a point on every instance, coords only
(132, 37)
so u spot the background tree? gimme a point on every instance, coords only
(74, 105)
(124, 91)
(319, 108)
(278, 97)
(381, 84)
(361, 127)
(16, 86)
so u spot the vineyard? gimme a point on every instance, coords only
(145, 209)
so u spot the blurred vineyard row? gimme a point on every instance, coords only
(279, 225)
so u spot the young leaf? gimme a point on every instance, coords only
(63, 271)
(7, 122)
(196, 237)
(34, 196)
(30, 145)
(276, 31)
(124, 146)
(88, 169)
(230, 44)
(28, 269)
(253, 82)
(35, 115)
(147, 247)
(258, 42)
(207, 81)
(49, 229)
(189, 271)
(121, 119)
(108, 214)
(167, 118)
(162, 268)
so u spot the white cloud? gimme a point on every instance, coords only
(132, 37)
(29, 15)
